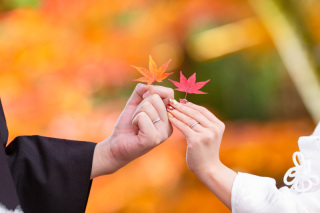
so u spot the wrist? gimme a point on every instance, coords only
(103, 161)
(209, 171)
(219, 180)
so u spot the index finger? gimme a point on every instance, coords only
(165, 93)
(137, 95)
(203, 111)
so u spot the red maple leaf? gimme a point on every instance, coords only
(154, 73)
(189, 85)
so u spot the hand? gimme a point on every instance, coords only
(135, 132)
(203, 138)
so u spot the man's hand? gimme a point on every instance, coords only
(137, 131)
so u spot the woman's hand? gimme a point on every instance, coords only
(203, 132)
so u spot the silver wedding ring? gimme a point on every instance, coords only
(157, 120)
(194, 124)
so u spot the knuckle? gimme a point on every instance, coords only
(146, 105)
(196, 113)
(163, 135)
(215, 130)
(218, 128)
(155, 97)
(152, 90)
(137, 86)
(222, 126)
(140, 115)
(158, 139)
(170, 92)
(208, 136)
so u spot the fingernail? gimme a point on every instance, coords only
(172, 101)
(146, 94)
(183, 101)
(169, 107)
(170, 115)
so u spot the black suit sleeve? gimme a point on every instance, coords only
(51, 175)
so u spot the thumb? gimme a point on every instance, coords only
(135, 99)
(137, 95)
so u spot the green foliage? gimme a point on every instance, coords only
(242, 86)
(6, 5)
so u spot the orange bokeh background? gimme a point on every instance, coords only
(65, 72)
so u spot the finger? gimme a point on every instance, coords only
(149, 109)
(137, 95)
(186, 120)
(181, 126)
(203, 110)
(194, 114)
(147, 130)
(165, 93)
(156, 102)
(159, 105)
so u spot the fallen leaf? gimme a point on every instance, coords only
(189, 85)
(153, 74)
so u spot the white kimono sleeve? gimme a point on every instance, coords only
(254, 194)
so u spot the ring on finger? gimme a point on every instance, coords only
(195, 123)
(157, 120)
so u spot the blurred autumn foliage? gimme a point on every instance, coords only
(65, 72)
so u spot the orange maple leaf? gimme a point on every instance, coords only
(153, 74)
